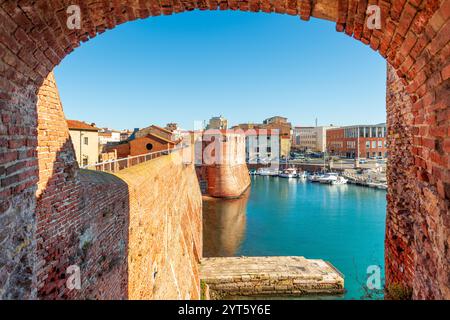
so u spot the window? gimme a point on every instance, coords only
(367, 144)
(380, 144)
(86, 140)
(361, 132)
(374, 144)
(379, 132)
(149, 146)
(85, 160)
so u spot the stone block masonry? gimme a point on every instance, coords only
(269, 276)
(40, 187)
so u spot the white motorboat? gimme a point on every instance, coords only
(289, 173)
(339, 181)
(267, 172)
(314, 177)
(328, 178)
(302, 175)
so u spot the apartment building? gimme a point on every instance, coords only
(219, 123)
(310, 138)
(85, 141)
(364, 141)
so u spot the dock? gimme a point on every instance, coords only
(269, 276)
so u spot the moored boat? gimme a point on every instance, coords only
(303, 175)
(339, 181)
(314, 177)
(267, 172)
(288, 173)
(328, 178)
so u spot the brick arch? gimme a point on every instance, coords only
(413, 39)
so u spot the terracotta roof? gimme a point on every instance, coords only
(157, 137)
(161, 129)
(80, 125)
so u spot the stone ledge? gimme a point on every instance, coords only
(253, 276)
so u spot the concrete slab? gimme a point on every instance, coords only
(270, 276)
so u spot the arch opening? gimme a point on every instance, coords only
(413, 39)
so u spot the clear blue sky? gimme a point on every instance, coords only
(241, 65)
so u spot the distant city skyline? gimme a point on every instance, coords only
(244, 66)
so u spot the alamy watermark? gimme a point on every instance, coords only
(74, 279)
(374, 277)
(74, 17)
(373, 17)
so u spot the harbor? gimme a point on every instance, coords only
(343, 225)
(368, 177)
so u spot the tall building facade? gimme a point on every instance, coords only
(218, 123)
(310, 138)
(366, 141)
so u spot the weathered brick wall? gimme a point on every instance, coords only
(401, 200)
(82, 217)
(227, 181)
(165, 229)
(127, 235)
(414, 39)
(223, 163)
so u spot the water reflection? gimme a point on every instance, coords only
(224, 223)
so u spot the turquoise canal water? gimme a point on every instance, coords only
(341, 224)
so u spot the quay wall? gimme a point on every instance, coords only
(133, 235)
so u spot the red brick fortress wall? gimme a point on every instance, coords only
(165, 229)
(129, 238)
(82, 217)
(227, 181)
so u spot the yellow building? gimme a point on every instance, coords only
(85, 141)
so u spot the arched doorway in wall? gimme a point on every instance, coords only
(413, 38)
